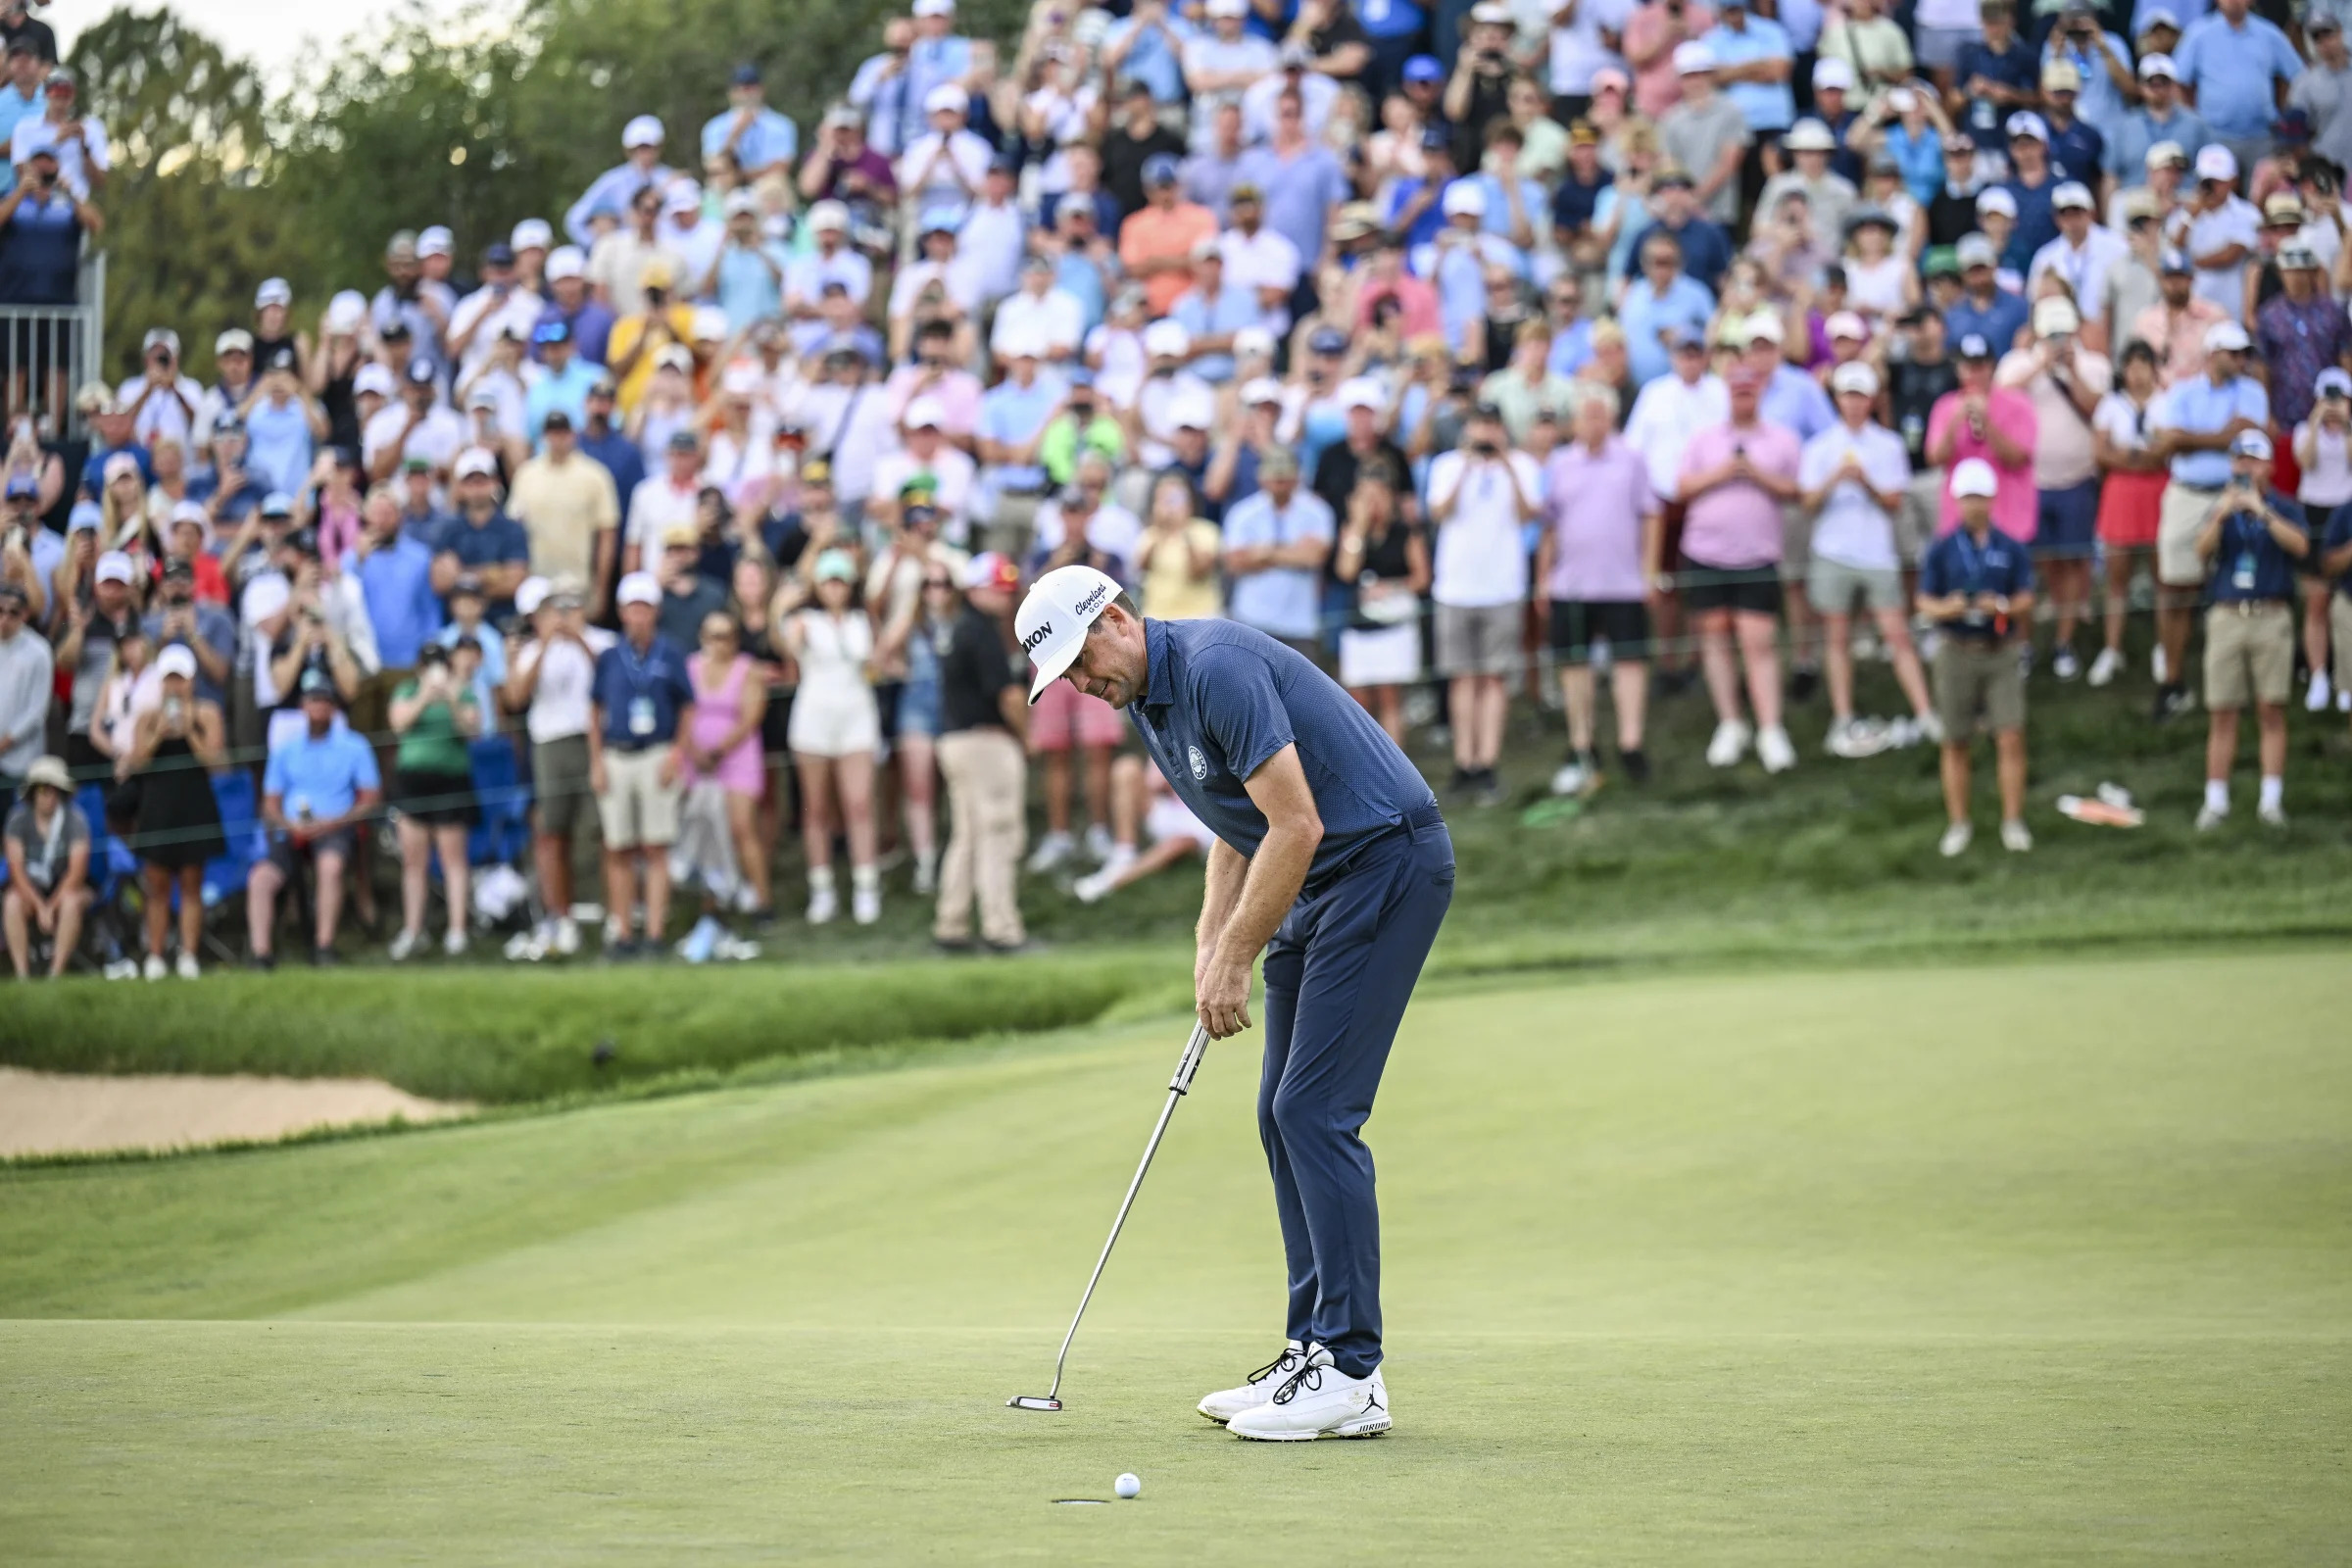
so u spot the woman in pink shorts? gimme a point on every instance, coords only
(1064, 720)
(723, 746)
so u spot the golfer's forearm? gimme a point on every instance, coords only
(1269, 888)
(1220, 891)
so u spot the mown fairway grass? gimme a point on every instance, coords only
(2027, 1263)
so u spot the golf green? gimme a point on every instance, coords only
(2030, 1263)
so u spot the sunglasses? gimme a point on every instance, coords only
(937, 582)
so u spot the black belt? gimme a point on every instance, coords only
(1420, 816)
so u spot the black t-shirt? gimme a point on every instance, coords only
(1950, 217)
(973, 672)
(1490, 100)
(44, 36)
(1341, 28)
(1912, 389)
(1123, 159)
(1339, 467)
(787, 540)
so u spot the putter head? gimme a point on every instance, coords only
(1031, 1402)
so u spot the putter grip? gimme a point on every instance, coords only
(1194, 1050)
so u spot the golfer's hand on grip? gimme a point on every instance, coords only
(1221, 996)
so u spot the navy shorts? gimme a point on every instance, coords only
(2068, 523)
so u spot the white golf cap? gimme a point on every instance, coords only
(1994, 199)
(2159, 17)
(1903, 99)
(934, 8)
(2071, 193)
(741, 380)
(2226, 337)
(1846, 323)
(1810, 135)
(1228, 8)
(2024, 124)
(2158, 63)
(273, 291)
(1465, 197)
(643, 588)
(530, 593)
(947, 98)
(2216, 162)
(1693, 59)
(236, 340)
(116, 566)
(825, 215)
(345, 311)
(474, 461)
(566, 261)
(2166, 153)
(1054, 616)
(1977, 250)
(1165, 339)
(1855, 377)
(740, 200)
(1763, 327)
(176, 660)
(531, 235)
(1833, 73)
(643, 132)
(1024, 342)
(1252, 341)
(2060, 76)
(191, 511)
(1974, 476)
(2333, 384)
(926, 414)
(1195, 410)
(2055, 317)
(436, 241)
(1264, 389)
(1361, 392)
(685, 196)
(371, 377)
(2251, 444)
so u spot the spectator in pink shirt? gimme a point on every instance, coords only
(1996, 423)
(1597, 558)
(1734, 478)
(1385, 278)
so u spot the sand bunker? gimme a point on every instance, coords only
(47, 1112)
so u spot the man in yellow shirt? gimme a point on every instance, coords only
(566, 502)
(639, 337)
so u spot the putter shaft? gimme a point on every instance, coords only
(1178, 1086)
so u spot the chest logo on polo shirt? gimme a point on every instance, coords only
(1192, 754)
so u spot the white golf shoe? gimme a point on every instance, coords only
(2105, 667)
(1223, 1405)
(1728, 744)
(1319, 1401)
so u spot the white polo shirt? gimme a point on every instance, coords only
(1852, 529)
(1480, 560)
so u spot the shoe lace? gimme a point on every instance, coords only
(1308, 1377)
(1287, 1357)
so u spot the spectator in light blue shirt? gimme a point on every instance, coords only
(747, 279)
(1740, 43)
(1301, 180)
(2228, 61)
(2162, 117)
(935, 59)
(2078, 40)
(21, 98)
(879, 89)
(395, 571)
(1146, 47)
(1213, 311)
(1276, 544)
(1014, 413)
(761, 140)
(1661, 306)
(616, 187)
(565, 382)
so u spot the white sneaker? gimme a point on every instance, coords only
(1902, 733)
(1855, 738)
(2210, 817)
(2319, 694)
(865, 903)
(2065, 665)
(2016, 837)
(186, 968)
(1571, 779)
(122, 969)
(926, 874)
(1955, 841)
(566, 941)
(404, 945)
(1050, 852)
(2105, 667)
(1223, 1405)
(1775, 750)
(1099, 845)
(2271, 815)
(1319, 1401)
(454, 944)
(1931, 727)
(823, 905)
(153, 967)
(1728, 744)
(2156, 663)
(732, 948)
(1095, 886)
(2344, 699)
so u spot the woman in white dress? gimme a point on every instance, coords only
(835, 731)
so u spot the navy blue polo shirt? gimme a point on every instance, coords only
(499, 542)
(2339, 534)
(641, 694)
(2247, 563)
(1220, 699)
(1957, 565)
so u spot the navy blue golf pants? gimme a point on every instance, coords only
(1338, 973)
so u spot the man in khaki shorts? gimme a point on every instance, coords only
(1977, 583)
(552, 671)
(643, 701)
(2250, 542)
(2194, 422)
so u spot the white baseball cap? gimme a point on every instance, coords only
(1855, 376)
(530, 593)
(2071, 193)
(1846, 323)
(2216, 162)
(2055, 318)
(1194, 409)
(2226, 337)
(2251, 444)
(643, 588)
(371, 377)
(566, 261)
(823, 215)
(345, 311)
(947, 98)
(934, 8)
(1361, 392)
(1809, 135)
(1054, 616)
(1974, 476)
(1833, 73)
(436, 241)
(1463, 196)
(273, 291)
(643, 132)
(2156, 62)
(176, 659)
(1693, 59)
(1762, 326)
(116, 566)
(1262, 390)
(1994, 199)
(2025, 122)
(531, 235)
(1165, 339)
(926, 414)
(475, 461)
(1252, 341)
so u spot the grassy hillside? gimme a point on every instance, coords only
(2030, 1263)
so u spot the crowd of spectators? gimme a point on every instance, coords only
(1688, 344)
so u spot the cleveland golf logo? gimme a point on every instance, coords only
(1030, 642)
(1199, 764)
(1085, 605)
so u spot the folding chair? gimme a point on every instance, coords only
(246, 843)
(503, 833)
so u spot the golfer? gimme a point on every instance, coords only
(1331, 857)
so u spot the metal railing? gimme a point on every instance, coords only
(48, 351)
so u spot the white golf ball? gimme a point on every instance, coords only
(1128, 1485)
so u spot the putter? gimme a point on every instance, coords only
(1177, 1087)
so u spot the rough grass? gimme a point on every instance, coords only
(2036, 1262)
